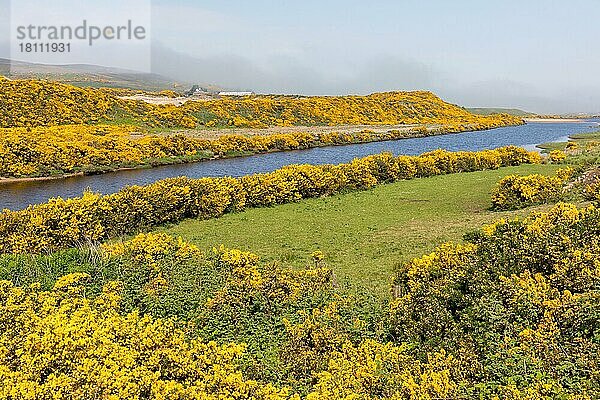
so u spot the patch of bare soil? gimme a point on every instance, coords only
(164, 100)
(589, 177)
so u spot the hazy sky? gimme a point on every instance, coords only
(538, 55)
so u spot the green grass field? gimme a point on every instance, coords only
(581, 139)
(363, 235)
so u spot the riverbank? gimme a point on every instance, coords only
(317, 130)
(555, 120)
(236, 145)
(105, 170)
(99, 217)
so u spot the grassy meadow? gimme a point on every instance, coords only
(365, 234)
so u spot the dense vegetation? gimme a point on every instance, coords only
(489, 318)
(510, 313)
(378, 108)
(46, 151)
(518, 303)
(89, 312)
(49, 128)
(38, 103)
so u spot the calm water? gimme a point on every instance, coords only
(20, 195)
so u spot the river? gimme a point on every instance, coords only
(18, 195)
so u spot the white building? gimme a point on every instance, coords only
(236, 93)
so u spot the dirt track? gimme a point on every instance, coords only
(163, 100)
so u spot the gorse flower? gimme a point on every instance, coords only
(513, 191)
(44, 151)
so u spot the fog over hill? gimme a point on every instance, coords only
(387, 73)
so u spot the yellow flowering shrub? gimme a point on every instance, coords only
(92, 217)
(592, 191)
(513, 312)
(314, 336)
(373, 370)
(378, 108)
(250, 303)
(169, 116)
(59, 344)
(516, 305)
(234, 258)
(152, 248)
(513, 191)
(310, 341)
(556, 156)
(571, 146)
(64, 149)
(42, 103)
(249, 285)
(44, 151)
(49, 128)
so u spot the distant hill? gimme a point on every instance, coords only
(43, 103)
(510, 111)
(84, 75)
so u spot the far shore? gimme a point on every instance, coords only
(555, 120)
(39, 178)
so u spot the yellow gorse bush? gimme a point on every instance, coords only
(378, 108)
(40, 103)
(64, 149)
(515, 191)
(62, 344)
(151, 248)
(58, 344)
(374, 370)
(49, 128)
(556, 156)
(592, 191)
(246, 281)
(537, 223)
(92, 217)
(235, 258)
(44, 151)
(511, 313)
